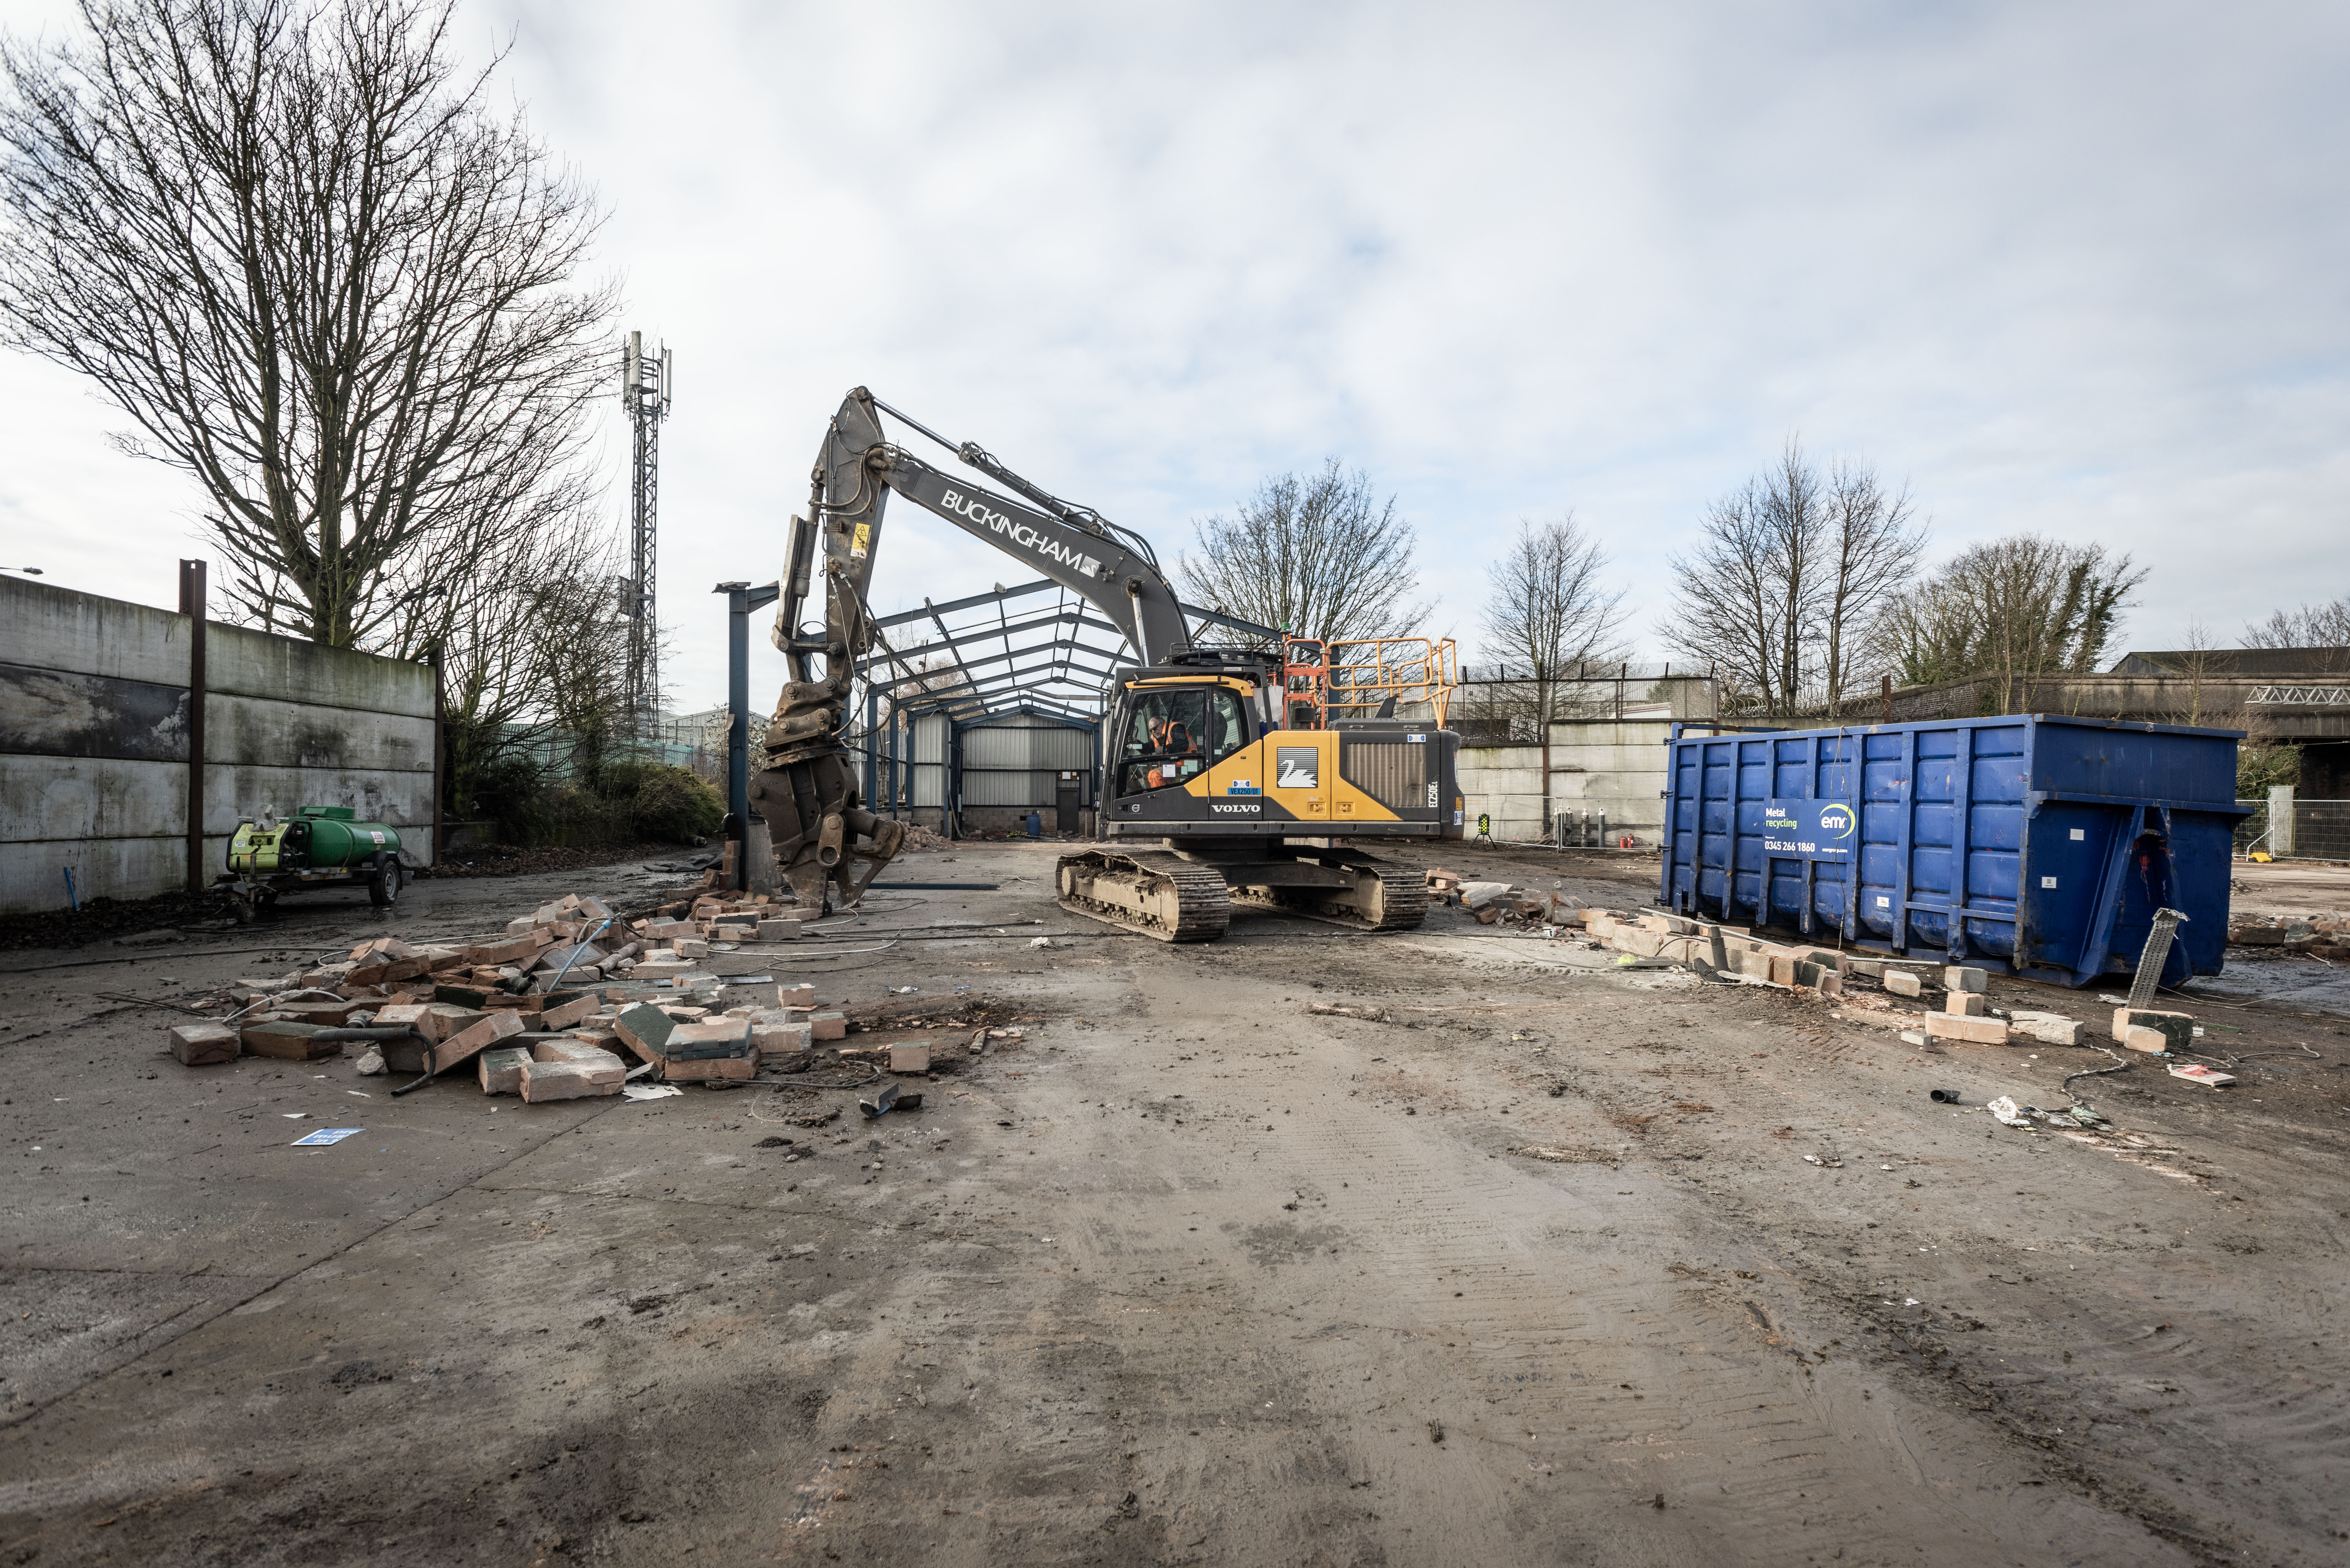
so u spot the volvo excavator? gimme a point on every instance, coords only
(1231, 777)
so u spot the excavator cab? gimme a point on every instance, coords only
(1172, 733)
(1249, 807)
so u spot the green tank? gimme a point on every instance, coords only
(317, 838)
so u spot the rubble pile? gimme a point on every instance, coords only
(570, 1001)
(1868, 987)
(2319, 936)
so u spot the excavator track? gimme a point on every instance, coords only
(1154, 895)
(1396, 899)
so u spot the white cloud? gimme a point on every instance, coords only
(2075, 271)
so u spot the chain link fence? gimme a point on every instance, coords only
(2296, 829)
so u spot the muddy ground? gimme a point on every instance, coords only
(1187, 1275)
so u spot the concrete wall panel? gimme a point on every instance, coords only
(252, 730)
(89, 797)
(51, 799)
(82, 634)
(249, 663)
(93, 742)
(60, 713)
(1614, 766)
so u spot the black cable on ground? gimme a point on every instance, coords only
(2121, 1064)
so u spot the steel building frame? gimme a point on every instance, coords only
(997, 663)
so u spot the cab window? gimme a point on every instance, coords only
(1172, 737)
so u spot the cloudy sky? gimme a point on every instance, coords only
(2072, 269)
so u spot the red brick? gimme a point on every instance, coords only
(481, 1037)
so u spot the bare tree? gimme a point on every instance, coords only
(2015, 610)
(288, 239)
(1871, 549)
(2323, 626)
(1551, 612)
(531, 665)
(1314, 554)
(1790, 571)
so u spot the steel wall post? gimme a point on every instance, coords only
(439, 752)
(872, 747)
(738, 722)
(742, 598)
(193, 606)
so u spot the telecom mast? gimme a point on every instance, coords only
(644, 397)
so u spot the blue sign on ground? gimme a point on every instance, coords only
(1809, 829)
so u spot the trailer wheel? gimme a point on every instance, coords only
(383, 883)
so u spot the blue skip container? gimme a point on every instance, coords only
(2032, 843)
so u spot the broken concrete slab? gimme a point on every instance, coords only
(204, 1044)
(544, 1081)
(1901, 982)
(779, 1039)
(2044, 1028)
(713, 1038)
(1965, 977)
(830, 1026)
(1477, 895)
(287, 1041)
(1982, 1031)
(1965, 1004)
(910, 1058)
(2177, 1029)
(645, 1029)
(501, 1069)
(732, 1068)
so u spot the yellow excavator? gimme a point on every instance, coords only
(1257, 776)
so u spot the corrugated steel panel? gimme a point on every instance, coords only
(927, 775)
(1009, 788)
(930, 738)
(1027, 744)
(997, 746)
(1063, 748)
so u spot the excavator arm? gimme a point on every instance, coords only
(821, 831)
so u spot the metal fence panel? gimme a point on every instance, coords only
(2321, 829)
(2317, 830)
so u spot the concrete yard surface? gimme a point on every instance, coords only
(1562, 1262)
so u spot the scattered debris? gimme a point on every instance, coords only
(1943, 1096)
(1559, 1155)
(326, 1136)
(2009, 1112)
(1343, 1010)
(2196, 1073)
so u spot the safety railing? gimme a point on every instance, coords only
(1359, 677)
